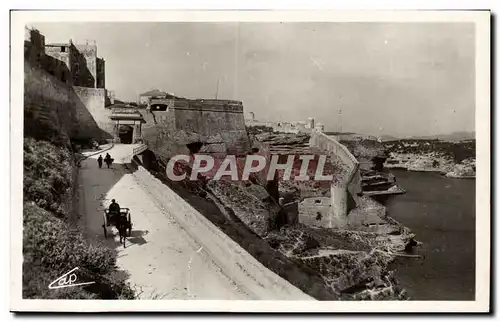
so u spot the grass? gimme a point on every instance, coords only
(154, 295)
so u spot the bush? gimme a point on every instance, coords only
(52, 248)
(48, 175)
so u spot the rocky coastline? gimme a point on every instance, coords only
(432, 162)
(351, 263)
(451, 159)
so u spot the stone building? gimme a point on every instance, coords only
(285, 126)
(100, 73)
(315, 211)
(73, 64)
(69, 75)
(34, 47)
(80, 64)
(310, 123)
(53, 58)
(319, 127)
(250, 117)
(58, 62)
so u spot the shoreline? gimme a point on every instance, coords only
(442, 173)
(422, 220)
(326, 264)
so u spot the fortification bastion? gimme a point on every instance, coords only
(176, 126)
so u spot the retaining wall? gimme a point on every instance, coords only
(241, 267)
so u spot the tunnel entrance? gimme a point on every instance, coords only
(126, 133)
(127, 124)
(194, 147)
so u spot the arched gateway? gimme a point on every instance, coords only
(128, 125)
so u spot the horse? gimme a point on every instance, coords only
(121, 223)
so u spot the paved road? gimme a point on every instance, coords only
(160, 258)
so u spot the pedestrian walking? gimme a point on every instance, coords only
(108, 160)
(99, 161)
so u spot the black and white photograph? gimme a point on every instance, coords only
(215, 161)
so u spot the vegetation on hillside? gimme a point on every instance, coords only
(48, 175)
(258, 129)
(458, 151)
(52, 248)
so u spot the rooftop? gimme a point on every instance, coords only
(57, 45)
(154, 92)
(125, 112)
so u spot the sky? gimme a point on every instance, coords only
(399, 79)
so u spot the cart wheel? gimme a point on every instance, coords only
(105, 231)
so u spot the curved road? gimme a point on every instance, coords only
(161, 259)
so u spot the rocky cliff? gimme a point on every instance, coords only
(453, 159)
(327, 264)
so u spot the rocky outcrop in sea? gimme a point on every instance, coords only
(452, 159)
(432, 162)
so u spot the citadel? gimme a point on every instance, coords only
(310, 226)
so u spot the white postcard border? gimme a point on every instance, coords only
(483, 191)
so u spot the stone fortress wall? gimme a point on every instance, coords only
(349, 187)
(209, 117)
(217, 124)
(94, 100)
(52, 73)
(344, 191)
(67, 110)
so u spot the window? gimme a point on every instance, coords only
(63, 49)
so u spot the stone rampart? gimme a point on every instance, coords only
(53, 108)
(329, 144)
(348, 188)
(218, 125)
(94, 101)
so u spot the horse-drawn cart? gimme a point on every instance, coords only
(122, 222)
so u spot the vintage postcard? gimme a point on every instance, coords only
(250, 161)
